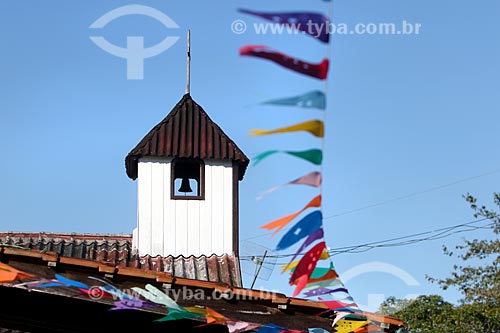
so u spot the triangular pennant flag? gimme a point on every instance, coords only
(131, 304)
(155, 295)
(305, 267)
(318, 234)
(10, 274)
(314, 99)
(176, 315)
(339, 316)
(325, 284)
(313, 24)
(311, 179)
(270, 328)
(324, 291)
(108, 288)
(309, 224)
(61, 281)
(318, 71)
(333, 305)
(346, 326)
(314, 127)
(322, 271)
(293, 264)
(315, 156)
(240, 326)
(318, 330)
(331, 274)
(282, 222)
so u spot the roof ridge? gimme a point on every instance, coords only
(189, 132)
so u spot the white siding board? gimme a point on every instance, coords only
(184, 227)
(181, 227)
(157, 204)
(169, 214)
(194, 227)
(144, 209)
(206, 215)
(217, 214)
(227, 210)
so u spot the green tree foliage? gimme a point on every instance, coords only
(477, 278)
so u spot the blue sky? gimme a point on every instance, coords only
(405, 114)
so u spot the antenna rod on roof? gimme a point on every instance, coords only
(188, 81)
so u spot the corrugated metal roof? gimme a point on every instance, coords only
(117, 250)
(188, 132)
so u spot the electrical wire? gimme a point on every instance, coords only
(414, 194)
(400, 241)
(384, 202)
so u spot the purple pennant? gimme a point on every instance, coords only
(318, 234)
(324, 291)
(132, 304)
(314, 24)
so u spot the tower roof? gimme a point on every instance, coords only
(187, 131)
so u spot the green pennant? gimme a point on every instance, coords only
(314, 156)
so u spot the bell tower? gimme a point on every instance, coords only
(188, 172)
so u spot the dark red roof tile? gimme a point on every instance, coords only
(117, 250)
(188, 132)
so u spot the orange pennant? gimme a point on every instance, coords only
(10, 274)
(282, 222)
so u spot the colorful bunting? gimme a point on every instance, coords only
(318, 330)
(315, 156)
(293, 264)
(131, 304)
(333, 305)
(322, 271)
(313, 24)
(309, 224)
(282, 222)
(318, 234)
(270, 328)
(311, 179)
(155, 295)
(325, 284)
(10, 274)
(314, 99)
(315, 127)
(319, 71)
(339, 316)
(346, 326)
(324, 291)
(175, 311)
(317, 281)
(240, 326)
(305, 267)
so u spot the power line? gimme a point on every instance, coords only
(414, 194)
(403, 240)
(407, 196)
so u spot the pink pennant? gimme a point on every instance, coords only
(240, 326)
(311, 179)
